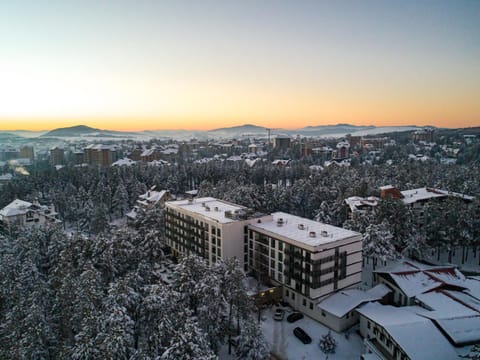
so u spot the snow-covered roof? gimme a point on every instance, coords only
(418, 337)
(425, 193)
(152, 196)
(148, 152)
(283, 162)
(234, 158)
(16, 207)
(209, 208)
(341, 144)
(415, 278)
(169, 151)
(416, 283)
(158, 162)
(6, 177)
(124, 162)
(461, 330)
(342, 302)
(356, 203)
(441, 305)
(303, 232)
(132, 214)
(465, 298)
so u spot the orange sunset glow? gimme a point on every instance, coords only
(152, 66)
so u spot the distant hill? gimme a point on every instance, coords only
(247, 130)
(238, 131)
(77, 130)
(5, 136)
(88, 132)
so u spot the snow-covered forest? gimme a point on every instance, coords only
(102, 291)
(108, 297)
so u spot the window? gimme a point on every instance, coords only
(368, 324)
(304, 302)
(280, 267)
(311, 306)
(280, 257)
(272, 253)
(287, 293)
(293, 296)
(219, 232)
(272, 243)
(323, 313)
(280, 245)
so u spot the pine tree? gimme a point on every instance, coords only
(251, 342)
(327, 344)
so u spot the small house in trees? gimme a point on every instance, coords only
(357, 204)
(148, 200)
(25, 214)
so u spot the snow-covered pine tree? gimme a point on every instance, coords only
(251, 342)
(377, 241)
(327, 343)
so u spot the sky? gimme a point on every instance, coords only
(203, 64)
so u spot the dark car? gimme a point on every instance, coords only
(294, 317)
(302, 335)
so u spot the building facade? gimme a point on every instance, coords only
(211, 228)
(307, 259)
(57, 156)
(310, 260)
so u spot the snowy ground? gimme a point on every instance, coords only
(286, 346)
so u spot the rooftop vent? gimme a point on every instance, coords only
(215, 208)
(259, 221)
(312, 234)
(280, 222)
(203, 204)
(301, 227)
(324, 233)
(207, 208)
(228, 214)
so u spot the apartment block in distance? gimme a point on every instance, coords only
(309, 259)
(211, 228)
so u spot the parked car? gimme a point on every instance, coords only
(302, 335)
(294, 317)
(278, 314)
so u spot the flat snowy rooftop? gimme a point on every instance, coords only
(209, 207)
(302, 230)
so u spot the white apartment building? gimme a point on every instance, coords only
(309, 259)
(211, 228)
